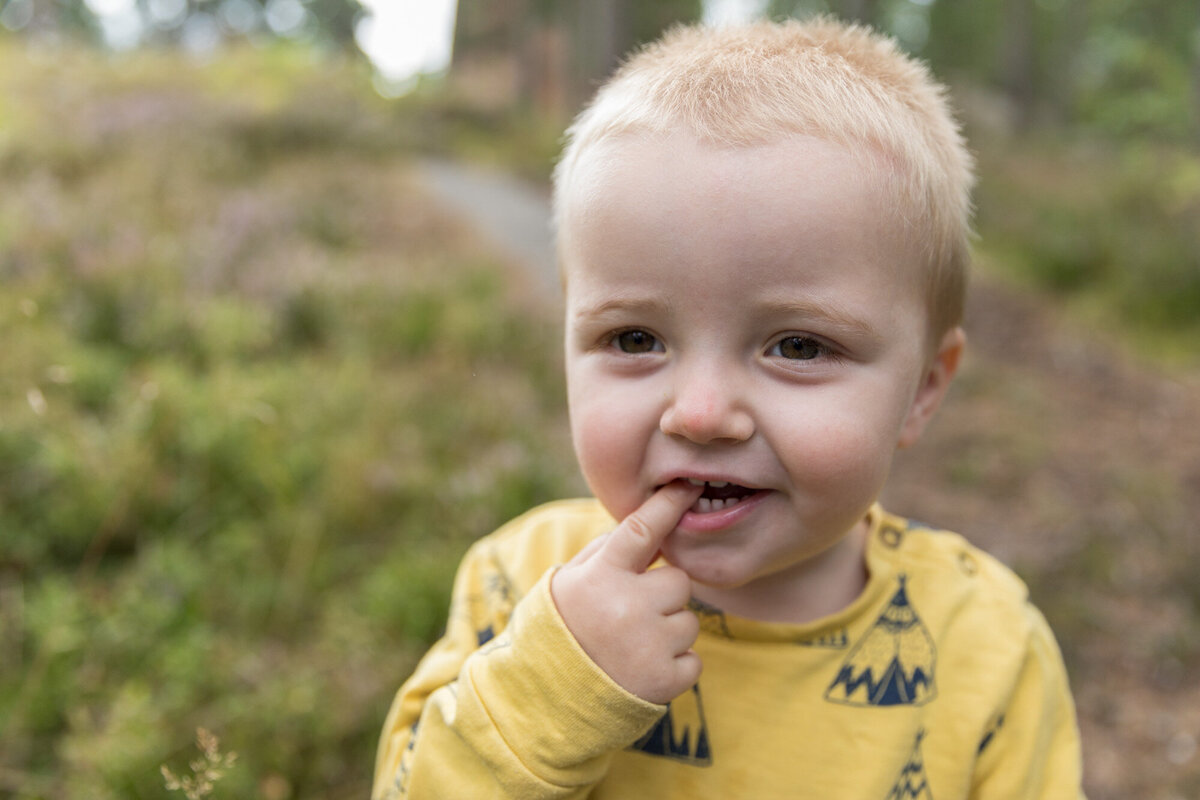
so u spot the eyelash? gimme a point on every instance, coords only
(823, 350)
(614, 340)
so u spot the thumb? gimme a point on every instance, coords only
(635, 542)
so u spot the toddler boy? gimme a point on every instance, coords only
(763, 234)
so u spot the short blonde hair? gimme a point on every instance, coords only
(746, 85)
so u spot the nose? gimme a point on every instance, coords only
(706, 407)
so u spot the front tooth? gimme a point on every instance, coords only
(718, 484)
(703, 505)
(695, 482)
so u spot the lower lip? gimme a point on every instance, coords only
(724, 518)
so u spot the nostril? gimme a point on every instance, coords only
(704, 417)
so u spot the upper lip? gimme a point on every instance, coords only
(706, 477)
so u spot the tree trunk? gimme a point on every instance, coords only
(601, 35)
(1061, 74)
(1018, 60)
(864, 11)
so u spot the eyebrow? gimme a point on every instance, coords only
(621, 304)
(826, 313)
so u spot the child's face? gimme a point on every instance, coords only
(750, 316)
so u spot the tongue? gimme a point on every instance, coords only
(726, 492)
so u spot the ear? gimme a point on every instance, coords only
(935, 380)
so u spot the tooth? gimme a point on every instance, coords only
(695, 482)
(718, 484)
(718, 504)
(704, 505)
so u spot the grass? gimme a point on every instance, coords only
(257, 399)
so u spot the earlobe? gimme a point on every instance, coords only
(939, 372)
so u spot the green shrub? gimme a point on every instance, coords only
(1116, 232)
(257, 400)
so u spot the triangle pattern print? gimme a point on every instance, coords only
(912, 783)
(892, 665)
(681, 734)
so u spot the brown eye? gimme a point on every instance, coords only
(802, 348)
(636, 342)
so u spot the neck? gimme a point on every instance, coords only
(817, 587)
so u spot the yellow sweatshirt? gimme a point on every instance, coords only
(940, 681)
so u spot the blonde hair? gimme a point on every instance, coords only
(746, 85)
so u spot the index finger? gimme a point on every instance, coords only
(635, 542)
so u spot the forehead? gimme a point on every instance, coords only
(639, 202)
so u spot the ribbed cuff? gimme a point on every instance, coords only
(555, 709)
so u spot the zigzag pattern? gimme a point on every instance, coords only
(912, 783)
(892, 664)
(891, 689)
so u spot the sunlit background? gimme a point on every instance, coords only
(403, 39)
(272, 354)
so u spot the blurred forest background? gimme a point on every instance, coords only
(258, 391)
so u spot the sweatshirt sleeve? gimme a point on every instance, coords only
(524, 714)
(1033, 750)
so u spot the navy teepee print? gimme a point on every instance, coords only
(492, 605)
(834, 640)
(892, 665)
(912, 783)
(712, 619)
(990, 733)
(680, 734)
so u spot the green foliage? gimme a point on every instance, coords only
(1134, 86)
(649, 20)
(257, 398)
(1114, 231)
(436, 119)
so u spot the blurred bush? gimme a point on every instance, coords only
(1112, 229)
(258, 397)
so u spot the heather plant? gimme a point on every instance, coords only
(258, 397)
(204, 772)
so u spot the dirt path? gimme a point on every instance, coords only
(509, 213)
(1067, 459)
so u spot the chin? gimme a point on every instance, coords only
(705, 572)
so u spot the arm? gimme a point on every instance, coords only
(1034, 751)
(529, 714)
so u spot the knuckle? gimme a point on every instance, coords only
(680, 582)
(690, 667)
(675, 585)
(638, 527)
(682, 631)
(662, 690)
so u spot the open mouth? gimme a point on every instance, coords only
(719, 495)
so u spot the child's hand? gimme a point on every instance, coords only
(635, 624)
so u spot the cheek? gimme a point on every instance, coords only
(610, 446)
(842, 452)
